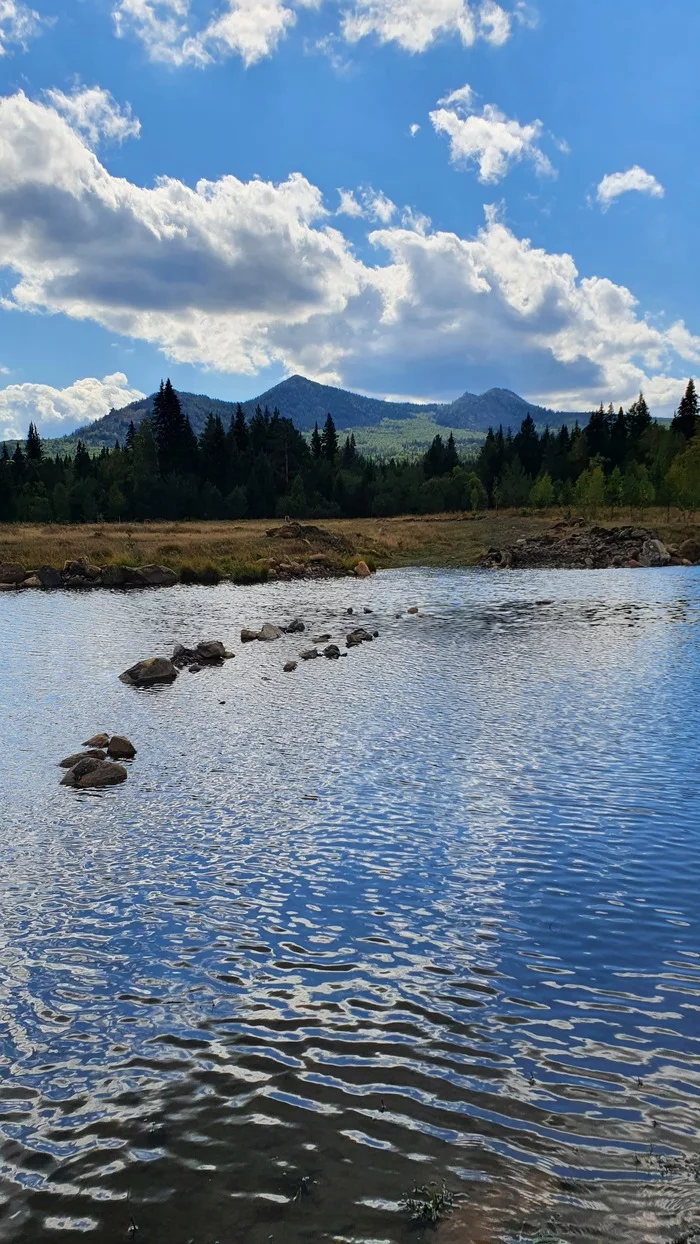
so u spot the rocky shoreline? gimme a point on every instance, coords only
(324, 556)
(574, 544)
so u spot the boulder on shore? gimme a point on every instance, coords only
(12, 572)
(158, 576)
(654, 553)
(575, 545)
(49, 577)
(147, 673)
(690, 550)
(362, 570)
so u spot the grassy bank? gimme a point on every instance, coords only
(240, 549)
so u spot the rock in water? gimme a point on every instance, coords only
(97, 740)
(332, 652)
(106, 774)
(321, 639)
(71, 761)
(362, 570)
(290, 667)
(120, 748)
(247, 636)
(357, 637)
(269, 632)
(79, 770)
(654, 553)
(146, 673)
(211, 650)
(309, 655)
(295, 628)
(413, 609)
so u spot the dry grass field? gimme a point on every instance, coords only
(238, 548)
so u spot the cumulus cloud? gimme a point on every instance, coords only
(367, 204)
(636, 178)
(250, 29)
(94, 113)
(79, 403)
(413, 129)
(18, 24)
(487, 137)
(240, 275)
(416, 24)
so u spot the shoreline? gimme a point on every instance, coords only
(162, 554)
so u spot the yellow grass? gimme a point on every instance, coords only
(437, 540)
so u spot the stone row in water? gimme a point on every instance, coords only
(97, 766)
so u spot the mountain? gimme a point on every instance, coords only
(305, 402)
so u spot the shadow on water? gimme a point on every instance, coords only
(428, 913)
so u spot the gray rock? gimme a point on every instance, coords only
(32, 580)
(321, 639)
(290, 667)
(146, 673)
(309, 655)
(332, 652)
(49, 577)
(247, 636)
(158, 576)
(183, 656)
(113, 576)
(211, 650)
(269, 632)
(12, 572)
(357, 637)
(295, 628)
(120, 748)
(654, 553)
(690, 550)
(79, 582)
(133, 577)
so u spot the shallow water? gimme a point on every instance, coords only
(427, 912)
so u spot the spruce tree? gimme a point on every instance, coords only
(451, 455)
(130, 437)
(638, 418)
(240, 430)
(316, 443)
(329, 440)
(686, 418)
(33, 450)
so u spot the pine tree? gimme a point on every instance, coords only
(240, 430)
(638, 418)
(173, 442)
(33, 450)
(451, 455)
(329, 440)
(316, 443)
(686, 418)
(130, 437)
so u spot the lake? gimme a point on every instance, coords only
(428, 912)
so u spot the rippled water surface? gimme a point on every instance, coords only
(427, 912)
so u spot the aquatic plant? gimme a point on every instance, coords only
(428, 1203)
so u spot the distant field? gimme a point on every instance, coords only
(409, 437)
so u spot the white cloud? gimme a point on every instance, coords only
(371, 205)
(94, 113)
(413, 129)
(416, 24)
(79, 403)
(241, 275)
(18, 24)
(487, 138)
(250, 29)
(636, 178)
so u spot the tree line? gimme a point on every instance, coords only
(264, 467)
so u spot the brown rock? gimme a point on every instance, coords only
(71, 761)
(362, 570)
(211, 650)
(290, 667)
(332, 652)
(12, 572)
(32, 581)
(321, 639)
(158, 576)
(247, 636)
(413, 609)
(146, 673)
(120, 748)
(97, 740)
(690, 549)
(106, 774)
(113, 576)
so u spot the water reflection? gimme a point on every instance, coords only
(426, 912)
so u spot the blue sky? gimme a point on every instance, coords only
(519, 189)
